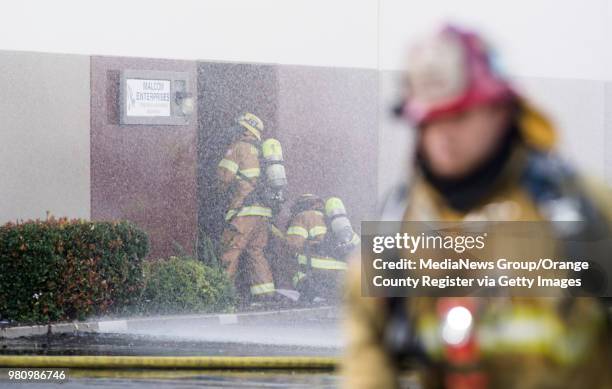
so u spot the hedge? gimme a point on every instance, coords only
(61, 269)
(185, 285)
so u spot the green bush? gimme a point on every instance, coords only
(184, 285)
(62, 269)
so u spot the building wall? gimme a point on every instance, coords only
(395, 139)
(44, 136)
(327, 122)
(143, 173)
(608, 130)
(577, 108)
(334, 123)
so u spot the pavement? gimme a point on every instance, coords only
(162, 325)
(311, 331)
(303, 332)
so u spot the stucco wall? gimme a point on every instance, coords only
(44, 135)
(143, 173)
(327, 120)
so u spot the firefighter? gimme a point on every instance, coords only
(319, 252)
(483, 153)
(248, 215)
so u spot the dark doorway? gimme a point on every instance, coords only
(224, 91)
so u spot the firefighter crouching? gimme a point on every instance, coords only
(483, 153)
(319, 237)
(252, 175)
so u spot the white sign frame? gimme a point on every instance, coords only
(155, 111)
(148, 98)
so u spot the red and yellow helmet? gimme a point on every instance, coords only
(449, 72)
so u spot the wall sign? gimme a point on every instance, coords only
(154, 98)
(149, 98)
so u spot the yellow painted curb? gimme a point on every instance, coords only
(135, 362)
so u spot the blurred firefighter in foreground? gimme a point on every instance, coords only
(252, 175)
(319, 237)
(483, 153)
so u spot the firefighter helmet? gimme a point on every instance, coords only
(252, 123)
(450, 72)
(307, 201)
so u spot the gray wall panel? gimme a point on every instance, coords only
(576, 108)
(608, 132)
(327, 120)
(44, 135)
